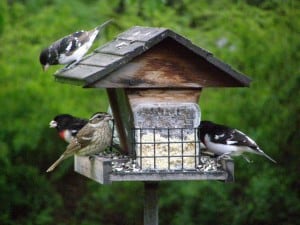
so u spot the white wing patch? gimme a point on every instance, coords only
(69, 46)
(247, 139)
(228, 142)
(217, 137)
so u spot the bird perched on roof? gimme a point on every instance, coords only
(67, 126)
(226, 141)
(93, 138)
(71, 48)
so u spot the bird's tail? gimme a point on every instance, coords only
(100, 27)
(268, 157)
(54, 165)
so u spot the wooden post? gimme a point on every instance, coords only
(150, 203)
(228, 165)
(121, 110)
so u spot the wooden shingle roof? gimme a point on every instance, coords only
(133, 43)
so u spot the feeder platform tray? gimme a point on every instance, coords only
(101, 170)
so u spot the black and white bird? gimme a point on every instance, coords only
(226, 141)
(67, 125)
(93, 138)
(71, 48)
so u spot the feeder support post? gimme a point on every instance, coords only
(150, 203)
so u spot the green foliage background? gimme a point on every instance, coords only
(259, 38)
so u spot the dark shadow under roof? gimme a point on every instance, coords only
(128, 45)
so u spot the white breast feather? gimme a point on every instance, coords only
(220, 149)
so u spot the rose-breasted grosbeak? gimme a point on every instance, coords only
(67, 126)
(226, 141)
(93, 138)
(70, 49)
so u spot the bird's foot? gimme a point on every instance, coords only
(224, 157)
(247, 159)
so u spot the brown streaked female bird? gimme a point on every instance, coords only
(93, 138)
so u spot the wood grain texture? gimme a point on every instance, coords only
(168, 65)
(122, 114)
(140, 96)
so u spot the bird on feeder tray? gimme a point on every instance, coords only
(225, 141)
(71, 48)
(67, 126)
(93, 138)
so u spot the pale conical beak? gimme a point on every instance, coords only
(53, 124)
(109, 117)
(45, 67)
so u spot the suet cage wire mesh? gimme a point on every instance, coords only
(169, 149)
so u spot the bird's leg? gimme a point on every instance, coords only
(247, 159)
(224, 156)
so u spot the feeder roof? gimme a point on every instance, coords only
(187, 64)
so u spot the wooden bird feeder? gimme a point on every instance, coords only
(153, 77)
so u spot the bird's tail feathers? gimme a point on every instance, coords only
(54, 165)
(268, 157)
(100, 27)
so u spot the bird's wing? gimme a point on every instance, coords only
(85, 136)
(83, 36)
(229, 136)
(82, 139)
(68, 44)
(77, 125)
(241, 139)
(72, 42)
(222, 135)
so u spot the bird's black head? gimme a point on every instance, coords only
(44, 58)
(49, 56)
(204, 127)
(61, 122)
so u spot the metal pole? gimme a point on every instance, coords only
(150, 203)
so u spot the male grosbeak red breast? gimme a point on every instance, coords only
(67, 125)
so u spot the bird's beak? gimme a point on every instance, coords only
(45, 67)
(53, 124)
(109, 117)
